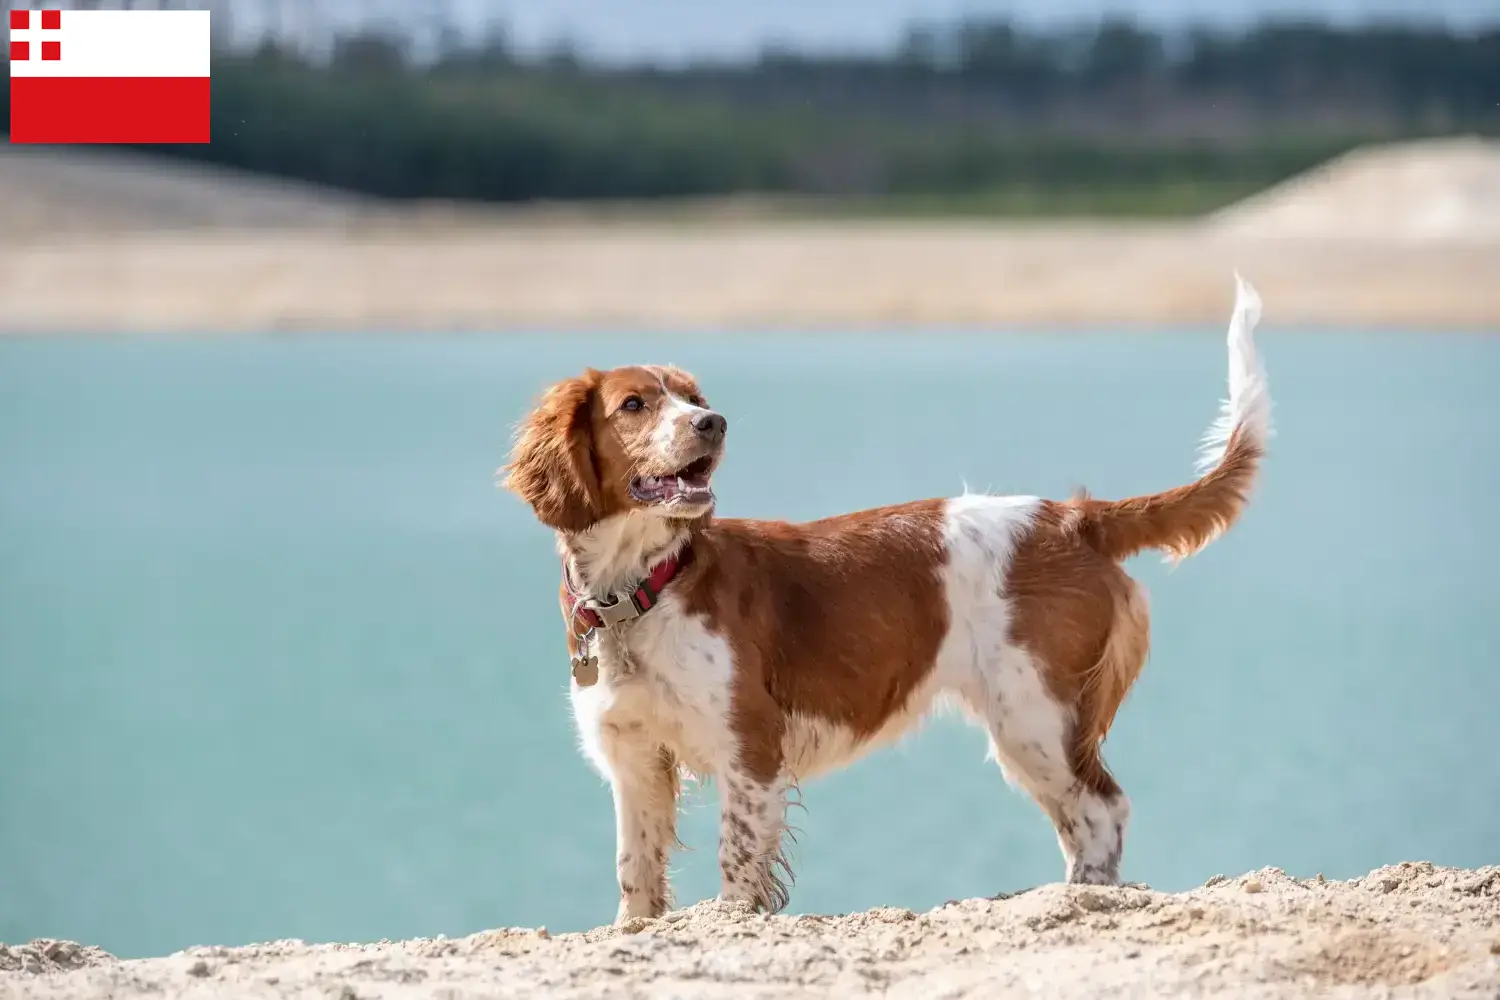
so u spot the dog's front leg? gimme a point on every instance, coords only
(752, 821)
(643, 776)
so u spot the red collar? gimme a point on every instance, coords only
(636, 602)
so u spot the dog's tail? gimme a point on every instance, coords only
(1182, 521)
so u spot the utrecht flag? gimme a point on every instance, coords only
(128, 76)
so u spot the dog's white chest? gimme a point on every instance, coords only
(663, 678)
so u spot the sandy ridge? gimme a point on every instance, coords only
(1406, 930)
(1395, 237)
(751, 275)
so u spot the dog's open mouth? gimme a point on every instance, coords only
(688, 485)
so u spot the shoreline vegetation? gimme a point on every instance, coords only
(1411, 929)
(974, 116)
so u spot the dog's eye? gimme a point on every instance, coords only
(633, 404)
(696, 400)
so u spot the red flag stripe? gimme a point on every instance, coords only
(104, 109)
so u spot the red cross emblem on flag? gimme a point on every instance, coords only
(117, 76)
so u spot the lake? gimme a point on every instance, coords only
(278, 660)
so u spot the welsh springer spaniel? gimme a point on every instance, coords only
(763, 653)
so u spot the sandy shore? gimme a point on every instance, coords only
(1406, 930)
(524, 273)
(98, 241)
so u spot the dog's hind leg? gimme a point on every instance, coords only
(1032, 736)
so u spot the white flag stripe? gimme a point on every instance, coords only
(113, 43)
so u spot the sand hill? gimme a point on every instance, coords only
(47, 192)
(1440, 189)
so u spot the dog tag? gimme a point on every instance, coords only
(585, 671)
(585, 664)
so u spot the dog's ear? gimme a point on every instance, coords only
(552, 464)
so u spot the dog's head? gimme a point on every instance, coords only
(605, 443)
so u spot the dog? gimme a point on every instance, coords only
(764, 653)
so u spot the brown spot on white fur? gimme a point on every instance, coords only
(837, 620)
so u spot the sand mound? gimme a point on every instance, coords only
(1415, 928)
(1434, 189)
(51, 956)
(45, 192)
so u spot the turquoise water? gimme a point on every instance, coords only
(279, 661)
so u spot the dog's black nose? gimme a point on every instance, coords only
(710, 425)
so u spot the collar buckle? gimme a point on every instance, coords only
(616, 612)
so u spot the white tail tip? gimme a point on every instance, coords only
(1247, 308)
(1248, 407)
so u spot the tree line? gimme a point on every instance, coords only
(975, 115)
